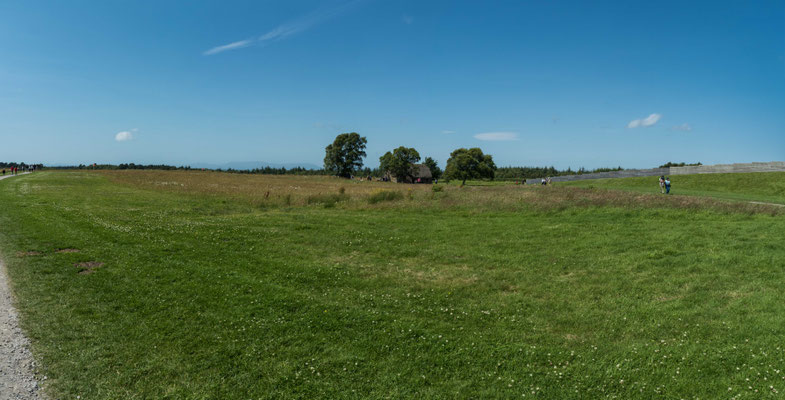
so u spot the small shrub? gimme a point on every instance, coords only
(341, 190)
(437, 188)
(287, 200)
(410, 194)
(384, 195)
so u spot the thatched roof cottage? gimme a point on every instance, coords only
(420, 174)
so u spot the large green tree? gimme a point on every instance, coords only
(400, 162)
(345, 154)
(436, 172)
(469, 164)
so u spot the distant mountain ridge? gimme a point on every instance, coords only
(249, 165)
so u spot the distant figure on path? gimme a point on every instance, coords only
(543, 182)
(667, 186)
(662, 183)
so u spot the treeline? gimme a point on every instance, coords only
(517, 173)
(19, 165)
(165, 167)
(122, 166)
(276, 171)
(503, 173)
(673, 164)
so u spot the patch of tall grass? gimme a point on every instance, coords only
(384, 195)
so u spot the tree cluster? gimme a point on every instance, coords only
(469, 164)
(344, 158)
(400, 163)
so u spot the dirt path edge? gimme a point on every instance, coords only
(17, 366)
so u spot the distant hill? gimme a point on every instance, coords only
(249, 165)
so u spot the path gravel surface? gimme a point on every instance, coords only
(17, 377)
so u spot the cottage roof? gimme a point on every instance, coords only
(421, 171)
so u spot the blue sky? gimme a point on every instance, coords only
(557, 83)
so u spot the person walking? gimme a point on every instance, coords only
(662, 183)
(667, 186)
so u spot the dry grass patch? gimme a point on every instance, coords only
(292, 190)
(259, 189)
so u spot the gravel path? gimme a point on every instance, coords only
(17, 379)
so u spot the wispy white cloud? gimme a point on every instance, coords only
(407, 19)
(497, 136)
(683, 127)
(124, 136)
(648, 121)
(231, 46)
(448, 132)
(290, 28)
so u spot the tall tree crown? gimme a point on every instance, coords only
(469, 164)
(345, 154)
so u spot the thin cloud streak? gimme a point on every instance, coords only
(497, 136)
(287, 29)
(231, 46)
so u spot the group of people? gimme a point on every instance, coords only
(15, 170)
(665, 184)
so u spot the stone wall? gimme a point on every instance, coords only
(730, 168)
(702, 169)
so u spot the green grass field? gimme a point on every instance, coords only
(236, 292)
(765, 187)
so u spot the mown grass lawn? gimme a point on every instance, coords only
(216, 297)
(764, 186)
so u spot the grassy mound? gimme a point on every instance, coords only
(760, 186)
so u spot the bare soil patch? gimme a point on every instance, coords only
(88, 267)
(28, 253)
(67, 251)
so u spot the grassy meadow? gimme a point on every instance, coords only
(154, 284)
